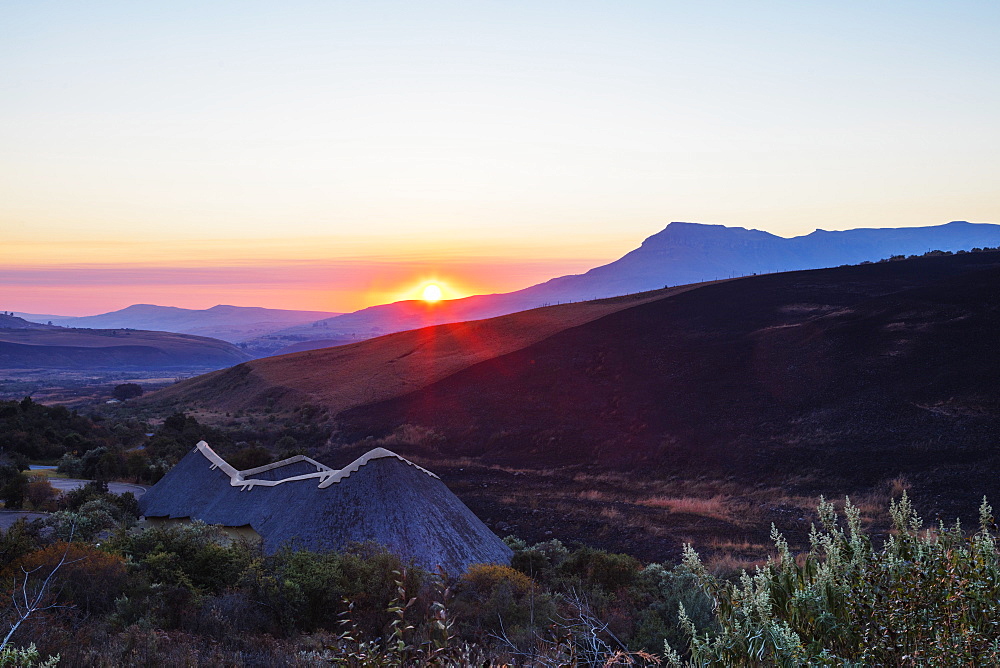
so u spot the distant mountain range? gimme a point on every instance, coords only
(682, 253)
(229, 323)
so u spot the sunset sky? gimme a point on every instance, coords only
(333, 155)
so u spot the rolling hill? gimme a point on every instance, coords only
(46, 347)
(377, 369)
(891, 364)
(714, 368)
(16, 322)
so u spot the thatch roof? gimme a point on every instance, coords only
(380, 498)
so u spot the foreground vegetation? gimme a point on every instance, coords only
(184, 595)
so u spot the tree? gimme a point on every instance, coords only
(127, 391)
(13, 486)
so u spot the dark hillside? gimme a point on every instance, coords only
(375, 370)
(838, 377)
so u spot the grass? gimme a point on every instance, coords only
(714, 507)
(47, 473)
(725, 564)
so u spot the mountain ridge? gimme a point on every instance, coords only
(234, 324)
(681, 253)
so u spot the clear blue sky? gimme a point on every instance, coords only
(248, 131)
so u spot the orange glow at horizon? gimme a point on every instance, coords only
(336, 285)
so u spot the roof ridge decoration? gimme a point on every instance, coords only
(326, 475)
(285, 462)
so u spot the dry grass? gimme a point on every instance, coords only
(897, 486)
(727, 564)
(593, 495)
(45, 474)
(714, 507)
(726, 545)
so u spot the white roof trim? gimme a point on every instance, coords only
(324, 474)
(377, 453)
(285, 462)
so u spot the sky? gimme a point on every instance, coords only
(334, 155)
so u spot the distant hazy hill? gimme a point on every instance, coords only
(59, 348)
(39, 317)
(15, 322)
(680, 254)
(229, 323)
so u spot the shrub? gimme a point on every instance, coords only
(84, 524)
(608, 571)
(75, 498)
(306, 590)
(41, 494)
(13, 486)
(927, 597)
(127, 391)
(190, 555)
(26, 657)
(501, 601)
(20, 539)
(250, 457)
(89, 579)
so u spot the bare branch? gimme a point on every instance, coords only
(34, 601)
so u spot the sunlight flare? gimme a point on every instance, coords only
(431, 293)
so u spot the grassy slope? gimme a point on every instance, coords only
(803, 361)
(379, 369)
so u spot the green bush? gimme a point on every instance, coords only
(606, 570)
(306, 590)
(926, 597)
(192, 556)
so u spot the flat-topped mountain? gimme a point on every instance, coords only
(682, 253)
(691, 252)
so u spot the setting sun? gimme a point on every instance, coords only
(431, 293)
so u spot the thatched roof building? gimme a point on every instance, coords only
(380, 498)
